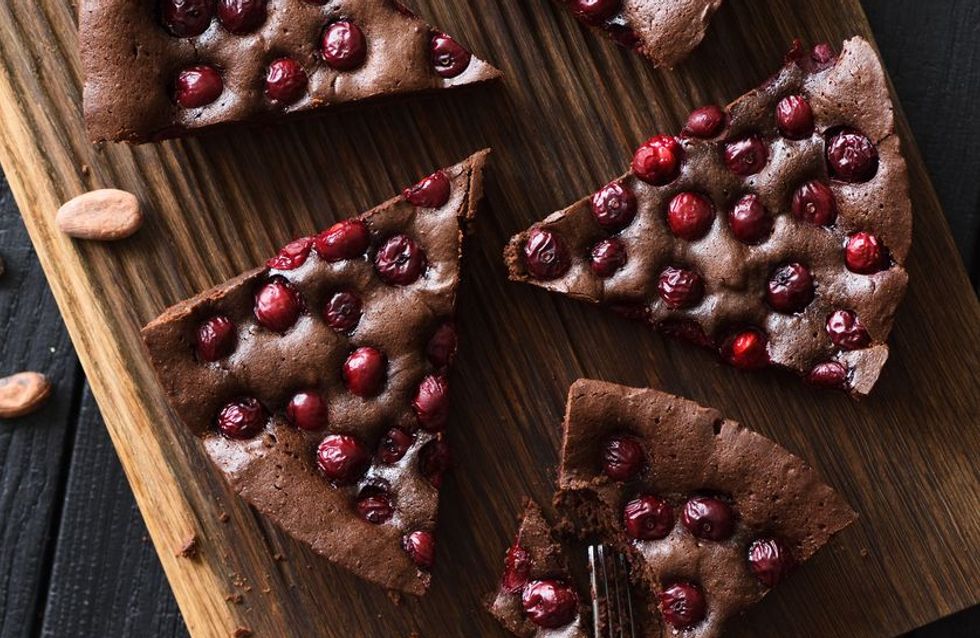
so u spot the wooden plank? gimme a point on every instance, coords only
(569, 112)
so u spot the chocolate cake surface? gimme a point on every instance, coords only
(774, 231)
(319, 384)
(665, 31)
(711, 514)
(537, 596)
(159, 69)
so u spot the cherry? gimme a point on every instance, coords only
(448, 58)
(814, 202)
(648, 518)
(847, 331)
(421, 548)
(431, 403)
(770, 560)
(822, 56)
(614, 206)
(708, 518)
(851, 157)
(186, 18)
(307, 411)
(746, 349)
(690, 215)
(622, 457)
(794, 117)
(594, 12)
(292, 255)
(749, 220)
(399, 261)
(545, 255)
(242, 418)
(344, 240)
(277, 305)
(342, 458)
(828, 375)
(215, 338)
(621, 33)
(864, 254)
(198, 86)
(549, 603)
(364, 372)
(608, 256)
(431, 192)
(342, 312)
(658, 160)
(441, 349)
(394, 445)
(241, 16)
(517, 569)
(679, 287)
(746, 156)
(343, 46)
(790, 288)
(435, 459)
(285, 81)
(705, 122)
(374, 505)
(682, 605)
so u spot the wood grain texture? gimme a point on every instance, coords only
(569, 112)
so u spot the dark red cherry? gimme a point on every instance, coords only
(342, 312)
(749, 220)
(186, 18)
(215, 338)
(342, 458)
(344, 240)
(864, 254)
(292, 255)
(682, 605)
(821, 57)
(449, 58)
(648, 518)
(375, 506)
(746, 156)
(705, 122)
(746, 349)
(545, 255)
(343, 46)
(709, 518)
(517, 569)
(421, 548)
(431, 403)
(622, 457)
(658, 161)
(608, 256)
(441, 349)
(365, 371)
(847, 331)
(198, 86)
(549, 603)
(431, 192)
(790, 288)
(680, 287)
(285, 81)
(435, 459)
(399, 261)
(394, 445)
(241, 16)
(794, 117)
(690, 215)
(830, 374)
(277, 305)
(307, 411)
(614, 206)
(814, 202)
(770, 560)
(594, 12)
(851, 156)
(242, 418)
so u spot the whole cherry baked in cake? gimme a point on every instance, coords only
(665, 31)
(711, 515)
(162, 68)
(774, 231)
(320, 383)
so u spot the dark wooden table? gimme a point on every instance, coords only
(74, 556)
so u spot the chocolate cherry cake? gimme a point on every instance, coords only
(711, 515)
(156, 69)
(537, 594)
(773, 231)
(665, 31)
(319, 384)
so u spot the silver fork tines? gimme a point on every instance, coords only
(612, 601)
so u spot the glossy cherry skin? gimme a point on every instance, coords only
(545, 255)
(622, 457)
(682, 605)
(394, 445)
(435, 459)
(648, 518)
(285, 81)
(549, 603)
(399, 261)
(864, 254)
(342, 458)
(277, 305)
(680, 287)
(770, 560)
(186, 18)
(705, 122)
(749, 220)
(594, 12)
(794, 117)
(746, 349)
(441, 349)
(431, 403)
(242, 418)
(342, 312)
(607, 257)
(814, 202)
(421, 548)
(658, 161)
(365, 371)
(343, 46)
(790, 288)
(241, 16)
(746, 156)
(708, 518)
(215, 338)
(449, 58)
(431, 192)
(851, 156)
(830, 374)
(292, 255)
(690, 215)
(344, 240)
(375, 506)
(614, 206)
(846, 331)
(307, 411)
(517, 569)
(198, 86)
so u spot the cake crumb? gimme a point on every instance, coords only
(235, 598)
(190, 548)
(223, 517)
(864, 552)
(279, 557)
(395, 597)
(242, 632)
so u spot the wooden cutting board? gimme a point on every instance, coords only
(565, 119)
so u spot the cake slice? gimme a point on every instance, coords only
(537, 594)
(319, 384)
(774, 231)
(155, 70)
(711, 515)
(665, 31)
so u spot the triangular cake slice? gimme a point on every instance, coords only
(774, 231)
(711, 515)
(665, 31)
(155, 70)
(537, 596)
(319, 384)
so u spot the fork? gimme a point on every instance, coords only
(609, 576)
